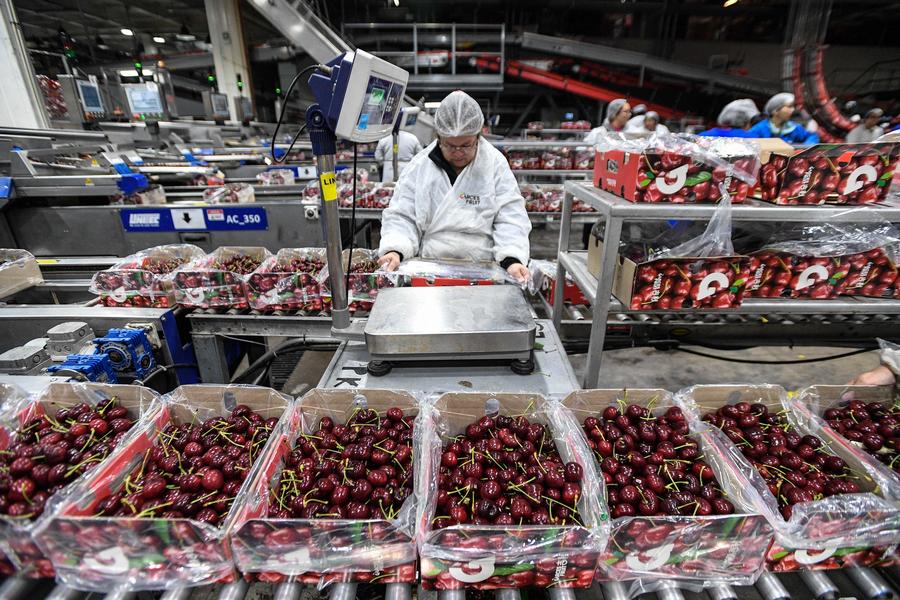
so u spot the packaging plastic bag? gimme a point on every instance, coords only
(276, 177)
(492, 557)
(18, 271)
(842, 520)
(829, 259)
(99, 553)
(155, 194)
(141, 279)
(426, 272)
(814, 406)
(702, 272)
(230, 193)
(17, 534)
(543, 281)
(700, 550)
(216, 280)
(288, 281)
(366, 278)
(324, 550)
(675, 168)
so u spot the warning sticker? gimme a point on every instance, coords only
(328, 184)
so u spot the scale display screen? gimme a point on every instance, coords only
(90, 97)
(246, 108)
(144, 99)
(220, 105)
(380, 103)
(411, 119)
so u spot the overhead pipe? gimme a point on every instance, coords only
(553, 80)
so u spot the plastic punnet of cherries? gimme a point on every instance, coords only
(50, 451)
(796, 468)
(194, 471)
(651, 465)
(358, 470)
(871, 426)
(506, 471)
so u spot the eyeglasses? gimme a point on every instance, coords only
(461, 148)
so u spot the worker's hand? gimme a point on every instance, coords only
(519, 272)
(390, 261)
(880, 375)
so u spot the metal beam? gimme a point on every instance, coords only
(631, 59)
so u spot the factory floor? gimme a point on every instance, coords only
(673, 370)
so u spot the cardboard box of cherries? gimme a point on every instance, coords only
(826, 509)
(513, 499)
(52, 443)
(838, 173)
(674, 169)
(828, 260)
(678, 511)
(334, 499)
(161, 511)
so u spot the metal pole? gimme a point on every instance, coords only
(559, 593)
(602, 300)
(343, 591)
(123, 592)
(669, 592)
(870, 583)
(397, 591)
(614, 590)
(565, 229)
(289, 590)
(507, 594)
(64, 592)
(721, 592)
(16, 587)
(452, 595)
(177, 593)
(819, 584)
(395, 160)
(770, 588)
(236, 590)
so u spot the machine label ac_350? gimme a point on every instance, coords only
(192, 218)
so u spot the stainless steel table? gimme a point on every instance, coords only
(615, 211)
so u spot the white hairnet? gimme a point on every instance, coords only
(778, 101)
(652, 114)
(639, 109)
(738, 113)
(875, 112)
(458, 115)
(613, 108)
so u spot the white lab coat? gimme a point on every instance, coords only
(480, 217)
(861, 134)
(641, 129)
(408, 146)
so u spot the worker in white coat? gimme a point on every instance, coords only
(648, 124)
(457, 198)
(408, 146)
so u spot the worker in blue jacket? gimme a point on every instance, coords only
(734, 120)
(780, 108)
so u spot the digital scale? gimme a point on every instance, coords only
(359, 99)
(215, 105)
(83, 100)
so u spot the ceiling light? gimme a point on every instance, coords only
(396, 2)
(159, 39)
(430, 105)
(128, 32)
(128, 73)
(730, 3)
(101, 44)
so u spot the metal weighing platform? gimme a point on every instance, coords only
(552, 374)
(450, 323)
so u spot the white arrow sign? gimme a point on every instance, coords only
(680, 175)
(706, 285)
(484, 566)
(806, 279)
(658, 557)
(111, 561)
(859, 177)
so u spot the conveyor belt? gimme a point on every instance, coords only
(860, 583)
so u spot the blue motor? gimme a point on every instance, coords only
(94, 367)
(129, 352)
